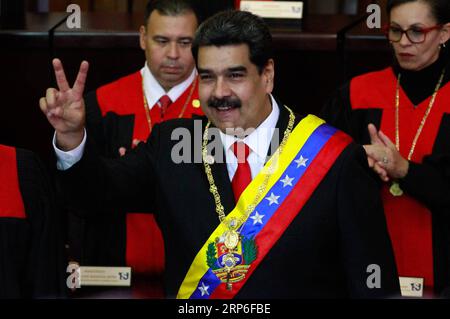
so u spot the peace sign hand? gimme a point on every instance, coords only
(64, 108)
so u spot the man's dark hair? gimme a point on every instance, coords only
(440, 9)
(236, 27)
(170, 8)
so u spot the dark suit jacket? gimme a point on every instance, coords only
(324, 253)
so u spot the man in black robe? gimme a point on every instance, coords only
(31, 250)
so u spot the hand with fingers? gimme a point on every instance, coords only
(383, 156)
(64, 107)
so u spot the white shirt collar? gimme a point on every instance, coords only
(259, 140)
(154, 91)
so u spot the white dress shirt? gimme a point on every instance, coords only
(258, 141)
(154, 91)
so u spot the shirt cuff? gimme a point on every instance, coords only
(65, 160)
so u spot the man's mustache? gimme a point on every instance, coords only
(224, 102)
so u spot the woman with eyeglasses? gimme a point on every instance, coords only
(402, 117)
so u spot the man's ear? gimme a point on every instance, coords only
(269, 75)
(142, 37)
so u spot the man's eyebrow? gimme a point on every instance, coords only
(200, 70)
(237, 69)
(232, 69)
(182, 38)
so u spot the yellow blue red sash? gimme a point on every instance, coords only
(309, 153)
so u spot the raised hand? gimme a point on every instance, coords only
(64, 107)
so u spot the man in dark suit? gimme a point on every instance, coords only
(306, 223)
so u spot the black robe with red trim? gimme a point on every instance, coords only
(115, 117)
(31, 248)
(419, 221)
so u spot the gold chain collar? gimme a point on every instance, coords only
(395, 187)
(424, 119)
(213, 188)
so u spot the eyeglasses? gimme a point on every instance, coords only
(414, 34)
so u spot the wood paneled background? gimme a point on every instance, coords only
(92, 5)
(313, 7)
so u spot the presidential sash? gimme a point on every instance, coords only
(309, 153)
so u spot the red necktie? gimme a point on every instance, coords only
(164, 103)
(243, 175)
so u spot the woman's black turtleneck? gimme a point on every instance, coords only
(419, 85)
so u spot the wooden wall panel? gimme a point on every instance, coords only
(61, 5)
(92, 5)
(139, 5)
(109, 5)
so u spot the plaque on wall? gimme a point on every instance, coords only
(276, 12)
